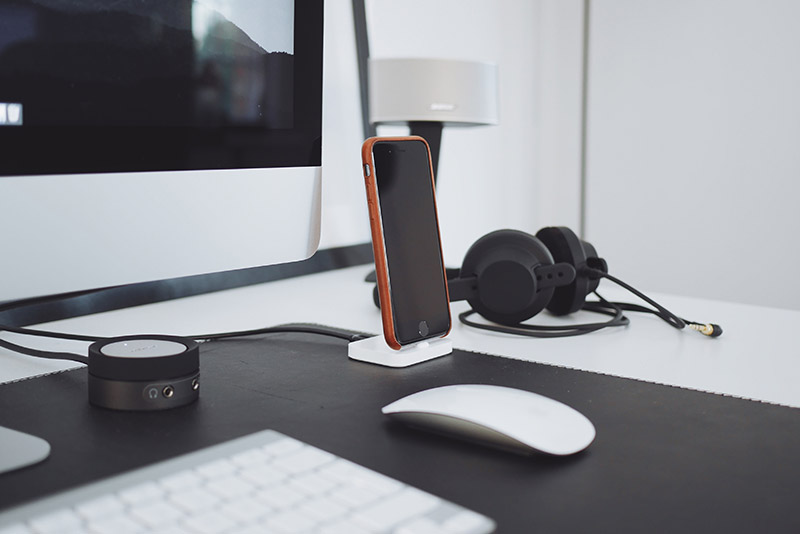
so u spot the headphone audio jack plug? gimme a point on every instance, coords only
(708, 329)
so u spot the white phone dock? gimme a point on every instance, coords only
(375, 350)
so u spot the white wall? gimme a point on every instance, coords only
(692, 142)
(694, 146)
(489, 176)
(559, 94)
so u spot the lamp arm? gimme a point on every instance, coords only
(431, 131)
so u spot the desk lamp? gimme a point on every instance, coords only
(426, 94)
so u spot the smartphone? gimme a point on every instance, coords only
(409, 267)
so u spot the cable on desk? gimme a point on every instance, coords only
(303, 328)
(47, 333)
(545, 331)
(613, 309)
(708, 329)
(289, 328)
(50, 355)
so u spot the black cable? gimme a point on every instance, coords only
(47, 333)
(543, 331)
(50, 355)
(302, 328)
(660, 311)
(290, 328)
(708, 329)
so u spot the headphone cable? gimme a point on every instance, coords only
(612, 309)
(707, 329)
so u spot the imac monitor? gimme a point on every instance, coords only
(143, 140)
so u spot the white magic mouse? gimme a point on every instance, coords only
(500, 416)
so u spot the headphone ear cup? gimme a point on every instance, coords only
(565, 247)
(593, 260)
(503, 263)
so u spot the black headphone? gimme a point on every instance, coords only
(509, 276)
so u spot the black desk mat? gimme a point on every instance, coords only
(665, 459)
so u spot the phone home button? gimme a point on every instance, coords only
(423, 328)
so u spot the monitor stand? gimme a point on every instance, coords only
(19, 450)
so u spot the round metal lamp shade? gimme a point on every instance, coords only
(449, 91)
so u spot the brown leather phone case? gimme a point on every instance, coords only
(376, 228)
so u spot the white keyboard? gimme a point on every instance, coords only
(262, 483)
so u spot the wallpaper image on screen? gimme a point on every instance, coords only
(206, 78)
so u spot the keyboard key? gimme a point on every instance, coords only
(209, 523)
(156, 514)
(148, 491)
(304, 460)
(171, 529)
(250, 458)
(279, 497)
(421, 525)
(282, 446)
(230, 487)
(216, 469)
(115, 525)
(375, 482)
(323, 509)
(354, 495)
(465, 522)
(344, 527)
(396, 509)
(182, 480)
(264, 475)
(194, 499)
(340, 471)
(312, 484)
(245, 509)
(290, 522)
(57, 521)
(100, 507)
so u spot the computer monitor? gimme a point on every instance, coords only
(145, 140)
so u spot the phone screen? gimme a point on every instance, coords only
(411, 238)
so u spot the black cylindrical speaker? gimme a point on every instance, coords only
(144, 372)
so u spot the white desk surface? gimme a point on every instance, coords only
(756, 357)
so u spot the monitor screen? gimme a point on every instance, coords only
(149, 85)
(151, 139)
